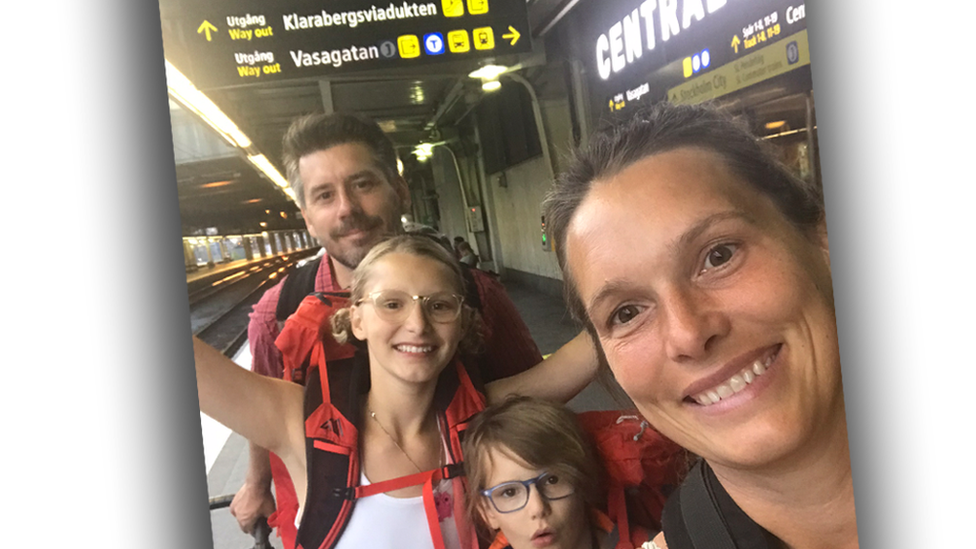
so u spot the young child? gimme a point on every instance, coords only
(535, 479)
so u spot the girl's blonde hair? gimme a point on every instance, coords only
(420, 246)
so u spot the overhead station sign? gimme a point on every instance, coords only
(229, 43)
(644, 48)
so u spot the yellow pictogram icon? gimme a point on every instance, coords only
(512, 35)
(457, 41)
(484, 38)
(409, 46)
(453, 8)
(207, 27)
(735, 43)
(477, 7)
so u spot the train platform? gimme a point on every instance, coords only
(227, 453)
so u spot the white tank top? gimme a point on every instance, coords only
(385, 522)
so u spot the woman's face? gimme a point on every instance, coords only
(556, 524)
(416, 349)
(715, 313)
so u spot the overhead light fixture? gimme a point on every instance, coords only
(424, 151)
(775, 125)
(491, 85)
(261, 162)
(187, 95)
(489, 72)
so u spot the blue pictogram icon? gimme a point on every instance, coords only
(434, 43)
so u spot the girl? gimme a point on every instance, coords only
(370, 444)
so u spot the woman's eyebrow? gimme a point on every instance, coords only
(606, 291)
(613, 286)
(696, 230)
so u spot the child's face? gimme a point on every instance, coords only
(556, 524)
(415, 348)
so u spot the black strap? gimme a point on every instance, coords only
(702, 515)
(294, 288)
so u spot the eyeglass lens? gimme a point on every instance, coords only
(513, 496)
(394, 305)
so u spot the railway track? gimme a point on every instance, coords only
(220, 305)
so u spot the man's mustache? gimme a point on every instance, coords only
(357, 222)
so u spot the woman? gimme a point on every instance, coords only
(409, 399)
(701, 267)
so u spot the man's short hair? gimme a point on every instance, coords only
(318, 132)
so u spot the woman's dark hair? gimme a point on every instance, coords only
(666, 127)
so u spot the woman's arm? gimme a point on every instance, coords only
(266, 411)
(559, 377)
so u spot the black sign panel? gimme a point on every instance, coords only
(642, 47)
(235, 42)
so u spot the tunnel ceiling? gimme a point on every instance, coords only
(222, 189)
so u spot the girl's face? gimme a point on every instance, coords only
(555, 524)
(715, 313)
(414, 348)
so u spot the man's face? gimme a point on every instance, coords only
(349, 202)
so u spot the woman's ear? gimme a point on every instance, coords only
(356, 322)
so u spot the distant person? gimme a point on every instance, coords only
(458, 240)
(343, 170)
(467, 255)
(700, 265)
(382, 425)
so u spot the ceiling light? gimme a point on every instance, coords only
(187, 95)
(491, 85)
(262, 163)
(775, 125)
(488, 72)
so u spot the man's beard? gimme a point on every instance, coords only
(351, 258)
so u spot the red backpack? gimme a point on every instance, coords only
(642, 468)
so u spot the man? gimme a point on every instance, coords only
(343, 170)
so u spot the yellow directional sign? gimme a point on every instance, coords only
(513, 35)
(477, 7)
(778, 58)
(457, 41)
(484, 38)
(409, 46)
(207, 27)
(452, 8)
(735, 43)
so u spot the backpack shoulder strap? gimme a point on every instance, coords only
(701, 514)
(294, 288)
